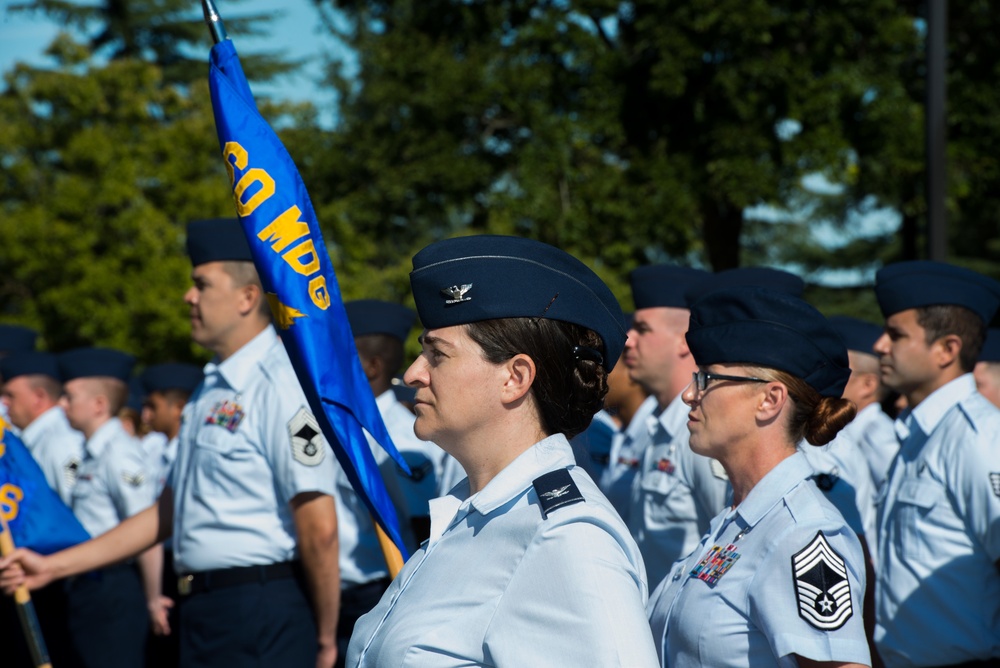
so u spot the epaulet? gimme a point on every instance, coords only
(556, 489)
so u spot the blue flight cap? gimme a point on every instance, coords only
(906, 285)
(90, 362)
(171, 376)
(372, 316)
(29, 364)
(989, 353)
(469, 279)
(761, 327)
(664, 285)
(17, 339)
(750, 277)
(858, 335)
(217, 240)
(136, 394)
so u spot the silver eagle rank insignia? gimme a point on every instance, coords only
(456, 294)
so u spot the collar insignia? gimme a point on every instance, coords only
(457, 294)
(821, 585)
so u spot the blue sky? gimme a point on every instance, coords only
(296, 32)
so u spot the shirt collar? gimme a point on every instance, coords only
(671, 419)
(772, 487)
(548, 454)
(638, 424)
(106, 433)
(932, 410)
(238, 368)
(49, 418)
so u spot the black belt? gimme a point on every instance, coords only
(194, 583)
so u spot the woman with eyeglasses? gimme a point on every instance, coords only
(779, 578)
(527, 563)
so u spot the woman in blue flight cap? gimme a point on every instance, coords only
(779, 578)
(527, 563)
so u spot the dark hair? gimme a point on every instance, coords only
(567, 390)
(942, 320)
(815, 418)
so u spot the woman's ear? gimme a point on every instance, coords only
(772, 401)
(520, 374)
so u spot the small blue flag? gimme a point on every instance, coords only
(37, 517)
(295, 269)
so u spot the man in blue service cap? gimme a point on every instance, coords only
(31, 392)
(987, 371)
(250, 497)
(107, 608)
(938, 582)
(676, 493)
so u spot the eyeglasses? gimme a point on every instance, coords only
(702, 378)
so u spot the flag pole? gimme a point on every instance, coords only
(391, 553)
(25, 608)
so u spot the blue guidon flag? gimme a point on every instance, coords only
(37, 517)
(297, 275)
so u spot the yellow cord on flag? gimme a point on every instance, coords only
(393, 557)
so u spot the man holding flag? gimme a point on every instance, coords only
(249, 500)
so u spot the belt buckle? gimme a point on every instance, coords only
(184, 585)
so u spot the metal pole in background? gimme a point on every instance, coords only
(937, 128)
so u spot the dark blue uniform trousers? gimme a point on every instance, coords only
(108, 620)
(248, 626)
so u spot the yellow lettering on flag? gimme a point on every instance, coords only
(10, 499)
(284, 315)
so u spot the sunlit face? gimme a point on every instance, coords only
(458, 390)
(864, 368)
(987, 375)
(161, 414)
(905, 360)
(214, 305)
(723, 414)
(21, 400)
(81, 403)
(654, 344)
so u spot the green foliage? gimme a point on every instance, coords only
(103, 166)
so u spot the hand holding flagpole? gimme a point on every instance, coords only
(25, 608)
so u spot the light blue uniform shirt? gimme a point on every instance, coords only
(113, 482)
(872, 431)
(499, 585)
(627, 448)
(675, 495)
(788, 578)
(843, 475)
(247, 446)
(58, 449)
(937, 599)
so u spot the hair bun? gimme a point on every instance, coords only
(830, 416)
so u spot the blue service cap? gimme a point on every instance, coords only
(29, 364)
(761, 327)
(664, 285)
(769, 278)
(217, 240)
(89, 362)
(372, 316)
(989, 353)
(171, 376)
(858, 335)
(906, 285)
(469, 279)
(17, 339)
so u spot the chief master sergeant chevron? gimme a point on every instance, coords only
(250, 497)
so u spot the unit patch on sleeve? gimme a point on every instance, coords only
(995, 481)
(307, 442)
(821, 585)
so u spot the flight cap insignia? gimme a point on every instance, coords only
(456, 294)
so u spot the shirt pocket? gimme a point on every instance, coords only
(222, 461)
(915, 503)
